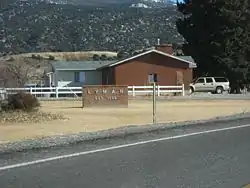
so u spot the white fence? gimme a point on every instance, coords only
(77, 91)
(2, 94)
(160, 90)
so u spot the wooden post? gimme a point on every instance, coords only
(154, 103)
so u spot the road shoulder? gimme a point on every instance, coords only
(70, 139)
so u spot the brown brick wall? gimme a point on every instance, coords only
(136, 71)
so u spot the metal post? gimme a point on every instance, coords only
(154, 103)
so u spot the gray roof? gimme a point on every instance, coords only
(187, 58)
(192, 63)
(79, 65)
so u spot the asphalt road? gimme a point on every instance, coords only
(213, 159)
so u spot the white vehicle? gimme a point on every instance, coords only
(210, 84)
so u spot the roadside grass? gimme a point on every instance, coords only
(74, 119)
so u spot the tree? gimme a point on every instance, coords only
(121, 55)
(213, 32)
(20, 71)
(103, 57)
(236, 42)
(51, 57)
(96, 57)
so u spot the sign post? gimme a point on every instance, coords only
(152, 79)
(154, 102)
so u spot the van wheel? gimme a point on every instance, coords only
(219, 90)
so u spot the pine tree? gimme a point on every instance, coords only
(217, 37)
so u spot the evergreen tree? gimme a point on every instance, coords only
(217, 37)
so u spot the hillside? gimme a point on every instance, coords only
(28, 27)
(106, 3)
(67, 56)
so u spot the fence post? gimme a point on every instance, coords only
(31, 90)
(158, 91)
(133, 91)
(56, 92)
(183, 90)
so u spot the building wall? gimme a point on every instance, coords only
(108, 76)
(67, 78)
(136, 71)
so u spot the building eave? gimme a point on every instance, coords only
(75, 69)
(148, 52)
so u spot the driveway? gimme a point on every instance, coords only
(210, 155)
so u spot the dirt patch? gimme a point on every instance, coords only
(138, 112)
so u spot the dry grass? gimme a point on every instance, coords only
(20, 116)
(73, 56)
(138, 112)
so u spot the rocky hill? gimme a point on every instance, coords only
(107, 3)
(35, 26)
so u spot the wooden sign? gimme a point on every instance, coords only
(105, 95)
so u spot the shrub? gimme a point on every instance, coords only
(96, 57)
(23, 101)
(51, 57)
(103, 57)
(34, 56)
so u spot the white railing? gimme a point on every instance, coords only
(3, 94)
(75, 91)
(47, 91)
(160, 90)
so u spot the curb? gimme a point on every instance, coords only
(65, 140)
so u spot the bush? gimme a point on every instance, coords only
(23, 101)
(51, 57)
(96, 57)
(34, 56)
(103, 57)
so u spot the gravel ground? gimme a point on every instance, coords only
(112, 133)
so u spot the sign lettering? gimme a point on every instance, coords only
(112, 98)
(98, 98)
(105, 95)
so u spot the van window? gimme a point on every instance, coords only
(220, 79)
(200, 80)
(209, 80)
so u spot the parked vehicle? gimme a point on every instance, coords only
(210, 84)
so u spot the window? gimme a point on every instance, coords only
(82, 77)
(220, 79)
(200, 80)
(152, 78)
(77, 77)
(209, 80)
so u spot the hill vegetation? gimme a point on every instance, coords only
(30, 26)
